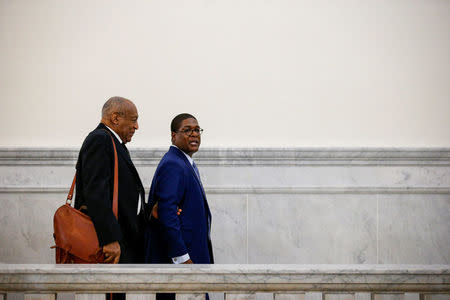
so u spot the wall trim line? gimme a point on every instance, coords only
(261, 190)
(247, 156)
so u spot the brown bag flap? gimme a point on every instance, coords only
(75, 233)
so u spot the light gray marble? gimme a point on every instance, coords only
(363, 296)
(229, 228)
(230, 296)
(65, 296)
(290, 296)
(15, 296)
(339, 296)
(238, 279)
(26, 223)
(305, 205)
(264, 296)
(40, 176)
(313, 296)
(312, 229)
(414, 229)
(398, 296)
(436, 296)
(236, 168)
(90, 296)
(39, 296)
(246, 156)
(131, 296)
(179, 296)
(216, 296)
(412, 296)
(327, 176)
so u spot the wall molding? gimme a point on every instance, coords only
(247, 156)
(260, 190)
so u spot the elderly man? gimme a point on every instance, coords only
(120, 238)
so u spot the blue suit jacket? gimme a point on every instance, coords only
(176, 185)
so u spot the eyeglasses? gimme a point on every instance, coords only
(188, 131)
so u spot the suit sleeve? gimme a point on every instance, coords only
(170, 192)
(98, 176)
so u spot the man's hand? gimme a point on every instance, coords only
(112, 252)
(189, 261)
(155, 211)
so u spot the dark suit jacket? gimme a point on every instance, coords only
(94, 188)
(175, 184)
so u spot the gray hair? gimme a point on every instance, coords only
(115, 104)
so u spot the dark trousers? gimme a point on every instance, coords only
(115, 296)
(165, 296)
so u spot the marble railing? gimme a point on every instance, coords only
(235, 282)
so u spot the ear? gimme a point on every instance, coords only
(173, 137)
(115, 118)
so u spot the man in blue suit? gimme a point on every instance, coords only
(171, 236)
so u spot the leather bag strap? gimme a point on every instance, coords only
(116, 182)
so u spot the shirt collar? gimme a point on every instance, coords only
(115, 134)
(191, 161)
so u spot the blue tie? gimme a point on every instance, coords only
(196, 171)
(201, 184)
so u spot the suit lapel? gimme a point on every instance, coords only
(179, 153)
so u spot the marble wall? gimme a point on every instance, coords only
(290, 206)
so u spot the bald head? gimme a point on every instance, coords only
(120, 114)
(115, 104)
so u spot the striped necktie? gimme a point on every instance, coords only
(196, 171)
(208, 216)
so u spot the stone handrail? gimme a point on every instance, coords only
(234, 280)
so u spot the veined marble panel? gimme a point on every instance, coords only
(40, 297)
(406, 177)
(398, 296)
(269, 205)
(229, 228)
(414, 228)
(190, 296)
(233, 296)
(286, 296)
(313, 296)
(326, 176)
(237, 168)
(303, 229)
(36, 176)
(131, 296)
(339, 297)
(436, 297)
(90, 296)
(26, 227)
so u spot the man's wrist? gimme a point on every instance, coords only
(181, 259)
